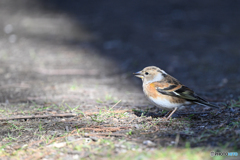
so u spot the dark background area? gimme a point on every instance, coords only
(196, 41)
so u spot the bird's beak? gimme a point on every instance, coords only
(138, 74)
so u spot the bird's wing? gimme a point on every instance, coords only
(181, 91)
(177, 90)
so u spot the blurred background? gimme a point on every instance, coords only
(80, 51)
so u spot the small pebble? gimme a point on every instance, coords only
(95, 139)
(70, 138)
(149, 143)
(203, 115)
(8, 29)
(76, 156)
(115, 120)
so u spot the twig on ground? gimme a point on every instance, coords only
(115, 104)
(106, 134)
(118, 111)
(39, 116)
(188, 113)
(105, 129)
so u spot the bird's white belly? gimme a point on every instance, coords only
(165, 104)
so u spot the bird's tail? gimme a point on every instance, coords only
(205, 103)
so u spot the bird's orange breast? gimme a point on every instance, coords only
(151, 91)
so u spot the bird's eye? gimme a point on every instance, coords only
(146, 73)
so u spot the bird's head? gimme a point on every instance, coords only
(151, 74)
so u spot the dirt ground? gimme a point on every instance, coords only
(66, 78)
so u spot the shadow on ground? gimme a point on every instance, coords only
(195, 41)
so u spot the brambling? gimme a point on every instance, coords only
(166, 92)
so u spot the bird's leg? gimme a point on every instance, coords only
(167, 114)
(171, 113)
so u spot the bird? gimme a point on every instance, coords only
(166, 92)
